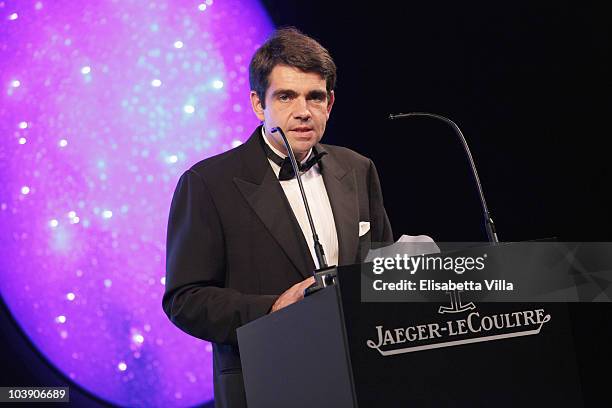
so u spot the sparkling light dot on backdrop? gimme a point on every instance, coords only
(103, 104)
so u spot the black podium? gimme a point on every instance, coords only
(321, 352)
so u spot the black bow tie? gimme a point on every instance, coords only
(286, 170)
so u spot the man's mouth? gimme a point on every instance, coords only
(301, 129)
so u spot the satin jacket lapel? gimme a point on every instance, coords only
(342, 192)
(262, 190)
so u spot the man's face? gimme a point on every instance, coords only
(297, 102)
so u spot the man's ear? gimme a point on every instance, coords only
(330, 103)
(256, 105)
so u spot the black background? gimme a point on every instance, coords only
(529, 84)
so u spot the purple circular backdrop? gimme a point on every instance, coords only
(103, 104)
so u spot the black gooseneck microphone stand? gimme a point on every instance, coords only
(325, 275)
(489, 225)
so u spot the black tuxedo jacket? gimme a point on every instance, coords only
(234, 244)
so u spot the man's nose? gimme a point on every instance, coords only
(302, 111)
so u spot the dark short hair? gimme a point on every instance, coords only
(288, 46)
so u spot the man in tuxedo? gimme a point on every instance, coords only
(239, 243)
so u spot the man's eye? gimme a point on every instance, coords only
(318, 98)
(283, 97)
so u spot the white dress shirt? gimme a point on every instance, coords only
(320, 208)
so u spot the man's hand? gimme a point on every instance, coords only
(292, 295)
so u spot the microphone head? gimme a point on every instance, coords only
(393, 116)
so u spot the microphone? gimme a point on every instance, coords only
(489, 225)
(322, 276)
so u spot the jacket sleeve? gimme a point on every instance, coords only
(195, 298)
(380, 225)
